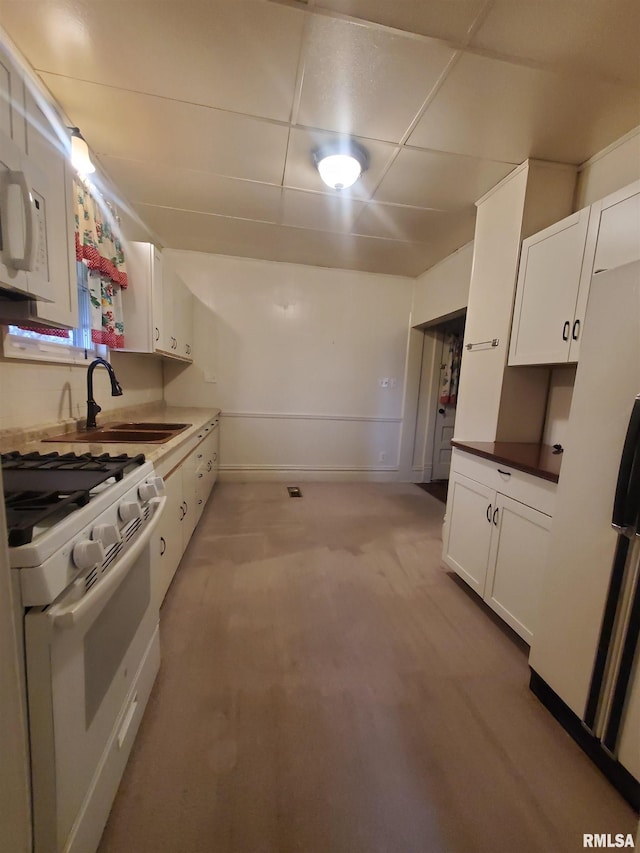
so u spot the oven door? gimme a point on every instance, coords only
(91, 663)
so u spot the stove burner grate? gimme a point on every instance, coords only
(25, 510)
(37, 485)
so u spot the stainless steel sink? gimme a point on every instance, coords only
(123, 433)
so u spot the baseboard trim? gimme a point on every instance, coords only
(273, 473)
(302, 416)
(619, 776)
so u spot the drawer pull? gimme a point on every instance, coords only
(506, 473)
(565, 330)
(495, 516)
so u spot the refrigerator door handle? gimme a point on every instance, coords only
(610, 739)
(606, 633)
(627, 495)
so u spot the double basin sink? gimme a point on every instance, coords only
(124, 433)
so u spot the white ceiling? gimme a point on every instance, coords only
(205, 113)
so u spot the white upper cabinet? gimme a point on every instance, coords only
(546, 320)
(178, 312)
(619, 231)
(36, 224)
(142, 301)
(554, 277)
(158, 306)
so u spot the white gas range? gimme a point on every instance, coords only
(79, 532)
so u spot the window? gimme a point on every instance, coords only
(67, 345)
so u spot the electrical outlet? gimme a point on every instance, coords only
(384, 383)
(383, 456)
(210, 377)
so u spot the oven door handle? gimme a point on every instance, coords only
(71, 615)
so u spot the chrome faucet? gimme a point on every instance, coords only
(116, 391)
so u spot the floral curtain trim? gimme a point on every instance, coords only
(107, 326)
(450, 375)
(97, 244)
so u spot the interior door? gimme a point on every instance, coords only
(446, 411)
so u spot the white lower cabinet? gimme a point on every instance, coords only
(496, 543)
(187, 493)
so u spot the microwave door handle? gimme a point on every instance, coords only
(27, 260)
(71, 615)
(628, 474)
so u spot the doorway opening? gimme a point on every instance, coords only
(437, 398)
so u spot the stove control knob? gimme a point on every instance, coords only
(88, 553)
(158, 482)
(147, 491)
(108, 534)
(129, 510)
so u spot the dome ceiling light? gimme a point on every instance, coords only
(341, 163)
(80, 159)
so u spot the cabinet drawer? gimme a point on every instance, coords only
(533, 491)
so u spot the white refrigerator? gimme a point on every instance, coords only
(584, 655)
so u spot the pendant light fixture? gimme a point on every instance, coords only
(80, 159)
(341, 163)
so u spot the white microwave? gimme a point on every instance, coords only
(24, 249)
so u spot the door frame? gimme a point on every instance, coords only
(417, 439)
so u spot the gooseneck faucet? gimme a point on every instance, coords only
(116, 391)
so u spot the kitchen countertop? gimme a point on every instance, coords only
(536, 459)
(30, 440)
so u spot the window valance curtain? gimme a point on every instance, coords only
(98, 246)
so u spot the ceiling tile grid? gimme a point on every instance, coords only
(206, 116)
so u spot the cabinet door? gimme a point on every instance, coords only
(619, 234)
(469, 513)
(168, 338)
(516, 561)
(189, 501)
(183, 308)
(13, 122)
(142, 300)
(167, 547)
(547, 292)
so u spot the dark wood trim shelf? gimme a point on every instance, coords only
(537, 459)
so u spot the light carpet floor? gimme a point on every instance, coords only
(327, 687)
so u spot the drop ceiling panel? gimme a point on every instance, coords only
(319, 211)
(236, 56)
(150, 183)
(496, 109)
(591, 36)
(438, 18)
(436, 180)
(145, 127)
(413, 224)
(301, 172)
(365, 80)
(202, 233)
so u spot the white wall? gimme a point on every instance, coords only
(609, 170)
(297, 353)
(38, 393)
(444, 289)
